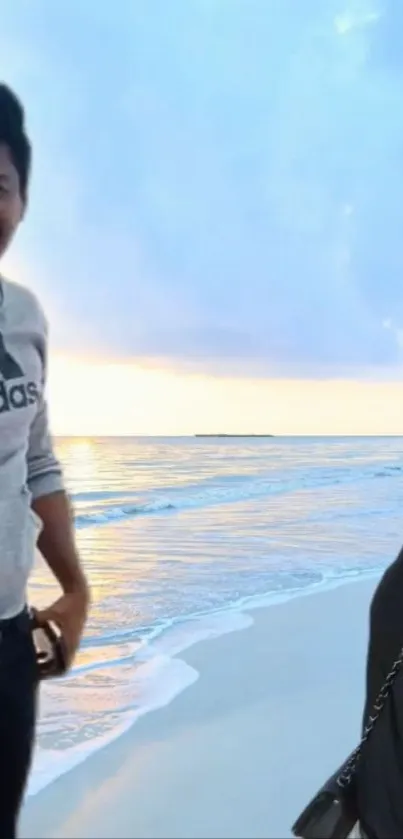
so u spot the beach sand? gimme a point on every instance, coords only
(276, 708)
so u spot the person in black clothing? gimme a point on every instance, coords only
(380, 771)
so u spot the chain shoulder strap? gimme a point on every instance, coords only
(346, 775)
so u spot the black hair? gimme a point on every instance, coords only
(12, 135)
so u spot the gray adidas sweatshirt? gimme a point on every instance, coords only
(28, 467)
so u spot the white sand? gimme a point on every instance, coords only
(276, 709)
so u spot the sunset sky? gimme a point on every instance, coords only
(215, 224)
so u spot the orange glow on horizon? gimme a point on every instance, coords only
(90, 398)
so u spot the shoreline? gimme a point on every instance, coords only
(233, 737)
(172, 675)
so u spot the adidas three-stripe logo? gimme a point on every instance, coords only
(9, 368)
(14, 396)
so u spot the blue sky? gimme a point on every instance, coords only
(217, 183)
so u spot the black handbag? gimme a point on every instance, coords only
(333, 812)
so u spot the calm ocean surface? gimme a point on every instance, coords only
(179, 535)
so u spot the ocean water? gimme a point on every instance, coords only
(181, 539)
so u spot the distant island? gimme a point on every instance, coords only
(234, 436)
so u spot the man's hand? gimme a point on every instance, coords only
(69, 612)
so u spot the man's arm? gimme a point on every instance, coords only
(56, 541)
(50, 502)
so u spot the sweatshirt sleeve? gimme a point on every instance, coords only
(44, 471)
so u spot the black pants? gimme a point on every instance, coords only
(18, 684)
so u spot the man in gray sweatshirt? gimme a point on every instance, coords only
(34, 508)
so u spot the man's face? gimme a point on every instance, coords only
(11, 205)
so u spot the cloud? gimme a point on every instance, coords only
(216, 184)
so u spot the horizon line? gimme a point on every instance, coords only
(218, 436)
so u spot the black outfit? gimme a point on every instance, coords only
(380, 772)
(18, 688)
